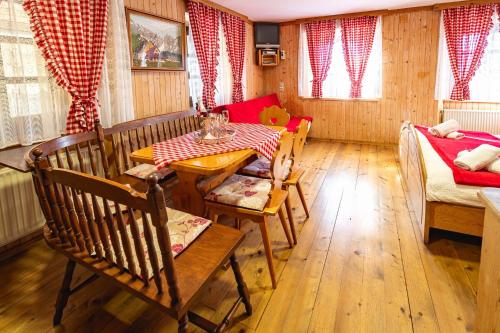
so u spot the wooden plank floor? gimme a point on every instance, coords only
(359, 266)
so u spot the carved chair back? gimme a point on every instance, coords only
(99, 220)
(274, 116)
(129, 136)
(280, 158)
(299, 141)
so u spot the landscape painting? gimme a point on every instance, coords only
(156, 43)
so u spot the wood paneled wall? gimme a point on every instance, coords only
(158, 92)
(410, 43)
(254, 73)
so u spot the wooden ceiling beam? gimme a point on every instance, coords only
(440, 6)
(335, 17)
(454, 4)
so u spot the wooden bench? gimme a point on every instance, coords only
(128, 242)
(105, 151)
(124, 138)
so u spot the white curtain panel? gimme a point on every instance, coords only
(224, 83)
(338, 83)
(115, 91)
(29, 100)
(481, 87)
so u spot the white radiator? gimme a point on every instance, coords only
(20, 212)
(475, 120)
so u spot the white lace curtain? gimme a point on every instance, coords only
(483, 85)
(115, 92)
(32, 107)
(29, 107)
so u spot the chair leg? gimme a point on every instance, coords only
(183, 324)
(302, 198)
(237, 222)
(285, 227)
(242, 286)
(64, 293)
(290, 219)
(214, 217)
(268, 250)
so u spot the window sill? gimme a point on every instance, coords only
(341, 99)
(469, 101)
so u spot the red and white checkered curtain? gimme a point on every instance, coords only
(357, 42)
(235, 34)
(72, 37)
(204, 21)
(466, 29)
(320, 37)
(498, 12)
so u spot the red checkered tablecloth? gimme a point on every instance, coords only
(262, 139)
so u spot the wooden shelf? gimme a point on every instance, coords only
(268, 57)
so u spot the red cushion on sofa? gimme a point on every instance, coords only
(248, 111)
(218, 109)
(294, 122)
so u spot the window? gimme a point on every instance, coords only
(25, 90)
(337, 83)
(482, 87)
(224, 83)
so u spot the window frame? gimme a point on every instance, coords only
(304, 65)
(444, 76)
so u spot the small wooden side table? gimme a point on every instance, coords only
(488, 294)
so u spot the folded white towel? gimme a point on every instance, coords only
(460, 153)
(494, 166)
(455, 135)
(477, 158)
(445, 128)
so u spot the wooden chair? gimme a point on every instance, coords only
(257, 199)
(133, 241)
(261, 168)
(274, 115)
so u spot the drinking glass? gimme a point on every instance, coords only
(224, 118)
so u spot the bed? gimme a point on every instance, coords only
(432, 194)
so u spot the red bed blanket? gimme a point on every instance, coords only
(449, 148)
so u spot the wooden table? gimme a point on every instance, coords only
(188, 194)
(488, 294)
(14, 158)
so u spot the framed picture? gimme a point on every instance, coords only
(155, 43)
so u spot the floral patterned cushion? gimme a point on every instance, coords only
(142, 171)
(183, 229)
(242, 191)
(261, 168)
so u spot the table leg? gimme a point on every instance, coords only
(186, 195)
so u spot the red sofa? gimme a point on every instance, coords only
(248, 111)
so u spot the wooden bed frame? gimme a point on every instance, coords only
(431, 214)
